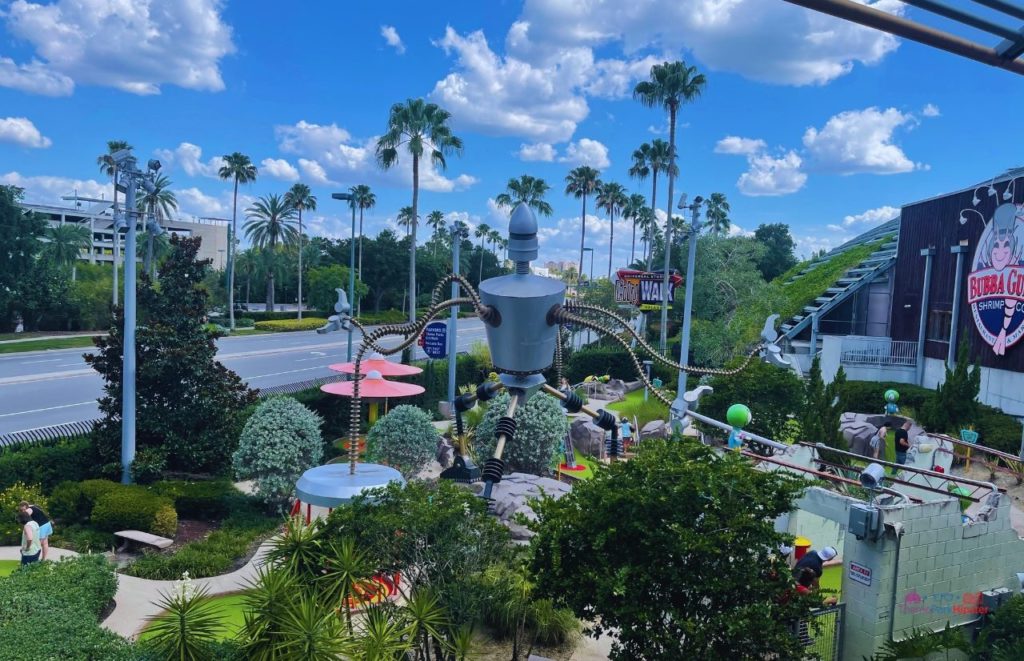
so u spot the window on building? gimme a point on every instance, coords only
(939, 322)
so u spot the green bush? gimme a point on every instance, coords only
(404, 439)
(383, 317)
(10, 529)
(283, 325)
(541, 425)
(772, 395)
(1001, 636)
(263, 315)
(208, 499)
(149, 465)
(82, 539)
(50, 610)
(134, 508)
(68, 503)
(334, 411)
(48, 463)
(613, 361)
(279, 442)
(869, 396)
(997, 430)
(92, 490)
(245, 322)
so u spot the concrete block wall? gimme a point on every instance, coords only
(939, 562)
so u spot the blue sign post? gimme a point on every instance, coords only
(435, 339)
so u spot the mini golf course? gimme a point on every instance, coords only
(7, 566)
(229, 609)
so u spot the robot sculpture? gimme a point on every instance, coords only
(523, 316)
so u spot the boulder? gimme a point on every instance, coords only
(655, 429)
(587, 437)
(615, 389)
(512, 497)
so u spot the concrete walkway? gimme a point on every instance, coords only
(136, 598)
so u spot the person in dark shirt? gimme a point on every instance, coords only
(45, 525)
(902, 437)
(815, 561)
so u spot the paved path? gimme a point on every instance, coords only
(44, 388)
(136, 598)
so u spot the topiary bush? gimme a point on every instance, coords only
(279, 442)
(287, 325)
(541, 426)
(10, 529)
(404, 439)
(135, 508)
(207, 499)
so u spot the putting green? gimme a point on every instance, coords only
(7, 566)
(229, 610)
(581, 460)
(832, 579)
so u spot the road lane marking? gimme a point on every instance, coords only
(49, 408)
(263, 376)
(33, 362)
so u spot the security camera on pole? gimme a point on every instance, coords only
(130, 178)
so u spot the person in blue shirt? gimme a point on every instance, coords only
(626, 432)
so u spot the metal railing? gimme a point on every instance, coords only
(878, 351)
(821, 633)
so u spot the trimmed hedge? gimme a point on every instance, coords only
(50, 610)
(615, 362)
(290, 325)
(48, 463)
(210, 499)
(261, 315)
(869, 396)
(135, 508)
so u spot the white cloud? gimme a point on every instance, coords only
(21, 131)
(278, 168)
(539, 151)
(132, 46)
(930, 110)
(34, 78)
(49, 190)
(189, 158)
(767, 41)
(328, 154)
(194, 202)
(870, 218)
(732, 144)
(390, 35)
(807, 245)
(772, 176)
(586, 152)
(858, 141)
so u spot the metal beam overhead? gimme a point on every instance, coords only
(1005, 56)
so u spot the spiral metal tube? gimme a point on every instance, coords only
(506, 426)
(558, 357)
(494, 469)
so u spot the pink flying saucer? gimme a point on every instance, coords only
(379, 363)
(374, 386)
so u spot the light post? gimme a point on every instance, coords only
(691, 259)
(647, 371)
(131, 178)
(456, 230)
(347, 197)
(590, 280)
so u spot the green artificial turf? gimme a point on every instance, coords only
(581, 460)
(634, 405)
(832, 579)
(230, 609)
(7, 566)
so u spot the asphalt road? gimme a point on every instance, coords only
(45, 388)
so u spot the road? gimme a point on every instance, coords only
(45, 388)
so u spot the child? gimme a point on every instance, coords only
(627, 432)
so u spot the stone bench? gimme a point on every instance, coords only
(144, 538)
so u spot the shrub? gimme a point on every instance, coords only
(1003, 632)
(334, 411)
(405, 439)
(50, 610)
(382, 317)
(92, 490)
(998, 430)
(82, 539)
(48, 464)
(869, 396)
(279, 442)
(283, 325)
(68, 503)
(771, 393)
(10, 529)
(134, 508)
(612, 360)
(245, 322)
(149, 464)
(541, 425)
(208, 499)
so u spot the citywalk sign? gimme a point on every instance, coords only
(995, 284)
(643, 289)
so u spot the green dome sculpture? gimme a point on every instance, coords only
(738, 415)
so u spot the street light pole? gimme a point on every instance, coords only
(691, 264)
(347, 197)
(132, 177)
(454, 319)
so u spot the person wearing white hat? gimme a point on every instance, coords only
(815, 561)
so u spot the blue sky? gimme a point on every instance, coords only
(805, 120)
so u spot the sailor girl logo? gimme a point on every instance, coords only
(995, 284)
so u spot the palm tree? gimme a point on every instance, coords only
(481, 232)
(421, 128)
(238, 167)
(300, 197)
(269, 225)
(652, 158)
(671, 85)
(435, 220)
(108, 166)
(581, 182)
(611, 197)
(364, 199)
(405, 219)
(528, 190)
(159, 204)
(65, 243)
(648, 224)
(247, 265)
(718, 214)
(503, 242)
(631, 211)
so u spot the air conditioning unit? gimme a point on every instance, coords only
(993, 599)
